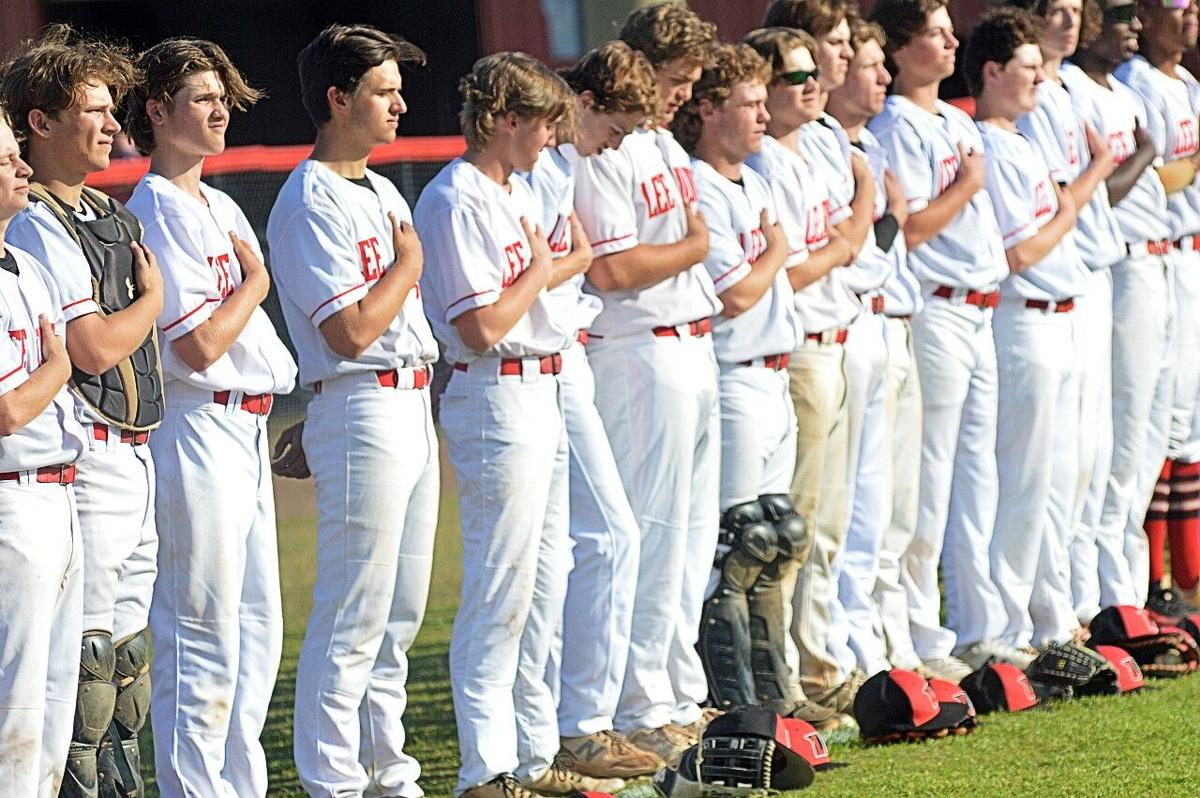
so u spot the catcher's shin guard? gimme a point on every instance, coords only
(748, 544)
(773, 684)
(93, 713)
(121, 760)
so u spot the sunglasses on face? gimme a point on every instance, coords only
(799, 77)
(1169, 5)
(1125, 13)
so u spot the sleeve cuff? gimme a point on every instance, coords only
(611, 246)
(1022, 233)
(916, 204)
(731, 276)
(337, 302)
(795, 258)
(479, 299)
(189, 320)
(13, 379)
(839, 215)
(80, 307)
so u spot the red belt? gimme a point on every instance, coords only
(582, 337)
(980, 299)
(257, 403)
(54, 475)
(1188, 243)
(877, 302)
(514, 366)
(1065, 306)
(837, 336)
(1151, 248)
(100, 432)
(389, 378)
(773, 362)
(695, 329)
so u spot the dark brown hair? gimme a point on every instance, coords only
(619, 77)
(732, 64)
(512, 83)
(668, 31)
(816, 17)
(995, 37)
(775, 43)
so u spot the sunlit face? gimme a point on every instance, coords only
(529, 137)
(196, 118)
(865, 90)
(833, 55)
(1118, 40)
(14, 176)
(80, 138)
(1168, 29)
(675, 79)
(1060, 33)
(929, 55)
(794, 105)
(1014, 84)
(598, 130)
(375, 106)
(740, 123)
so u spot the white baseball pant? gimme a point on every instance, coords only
(373, 454)
(114, 495)
(758, 433)
(856, 634)
(956, 359)
(216, 614)
(508, 444)
(1141, 310)
(1185, 426)
(903, 419)
(1089, 559)
(41, 610)
(1037, 462)
(598, 614)
(657, 396)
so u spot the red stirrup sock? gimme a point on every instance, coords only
(1183, 525)
(1156, 522)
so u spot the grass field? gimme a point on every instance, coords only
(1141, 745)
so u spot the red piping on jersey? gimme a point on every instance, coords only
(737, 266)
(77, 302)
(14, 371)
(185, 316)
(261, 158)
(471, 296)
(611, 240)
(336, 297)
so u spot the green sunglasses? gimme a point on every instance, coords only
(799, 77)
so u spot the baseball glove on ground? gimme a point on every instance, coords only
(1172, 652)
(720, 766)
(1062, 668)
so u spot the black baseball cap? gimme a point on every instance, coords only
(947, 692)
(999, 686)
(1120, 623)
(789, 769)
(900, 701)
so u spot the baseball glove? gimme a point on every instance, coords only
(1172, 652)
(1062, 668)
(720, 766)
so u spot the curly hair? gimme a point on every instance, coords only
(995, 37)
(619, 77)
(863, 31)
(340, 56)
(165, 67)
(773, 44)
(505, 83)
(669, 31)
(732, 64)
(50, 73)
(816, 17)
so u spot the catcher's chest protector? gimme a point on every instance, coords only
(130, 394)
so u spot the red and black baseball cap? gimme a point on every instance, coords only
(790, 769)
(1118, 623)
(999, 686)
(949, 692)
(1191, 624)
(900, 701)
(1129, 675)
(804, 739)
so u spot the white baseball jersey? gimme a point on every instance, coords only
(553, 183)
(968, 252)
(190, 239)
(735, 240)
(331, 240)
(1056, 131)
(475, 247)
(874, 267)
(1115, 112)
(827, 147)
(53, 437)
(1022, 192)
(801, 200)
(638, 194)
(1171, 120)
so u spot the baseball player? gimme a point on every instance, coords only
(656, 380)
(956, 250)
(615, 92)
(824, 306)
(1038, 410)
(1079, 160)
(62, 91)
(42, 606)
(216, 614)
(346, 262)
(867, 580)
(1168, 91)
(1140, 298)
(503, 422)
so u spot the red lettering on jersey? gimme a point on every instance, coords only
(687, 183)
(1072, 149)
(657, 195)
(1120, 144)
(369, 257)
(20, 336)
(815, 231)
(947, 170)
(220, 266)
(1041, 200)
(753, 245)
(1186, 142)
(558, 243)
(516, 263)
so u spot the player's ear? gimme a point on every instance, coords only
(510, 120)
(991, 70)
(707, 109)
(336, 98)
(587, 99)
(39, 122)
(156, 110)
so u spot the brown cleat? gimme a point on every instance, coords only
(503, 786)
(821, 718)
(608, 754)
(668, 742)
(841, 698)
(707, 715)
(559, 779)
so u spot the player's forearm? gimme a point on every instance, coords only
(24, 403)
(209, 342)
(819, 263)
(645, 265)
(566, 267)
(1039, 245)
(745, 293)
(1082, 188)
(1125, 176)
(481, 328)
(855, 228)
(1176, 175)
(97, 343)
(353, 329)
(941, 211)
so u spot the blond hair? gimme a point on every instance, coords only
(669, 31)
(773, 44)
(165, 67)
(619, 77)
(863, 31)
(506, 83)
(732, 64)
